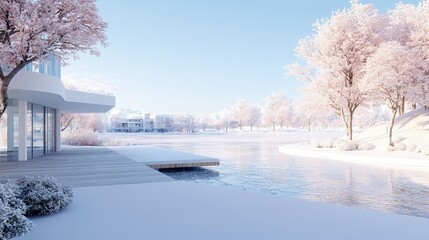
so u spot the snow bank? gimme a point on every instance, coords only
(410, 150)
(380, 158)
(409, 133)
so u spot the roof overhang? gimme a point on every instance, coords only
(49, 91)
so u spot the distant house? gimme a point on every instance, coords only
(148, 123)
(163, 123)
(135, 124)
(36, 99)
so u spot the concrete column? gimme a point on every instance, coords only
(57, 129)
(22, 129)
(10, 113)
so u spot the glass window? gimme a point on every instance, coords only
(29, 130)
(50, 130)
(9, 131)
(38, 130)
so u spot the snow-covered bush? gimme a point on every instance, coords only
(9, 195)
(13, 223)
(396, 147)
(423, 150)
(316, 143)
(328, 143)
(44, 195)
(366, 146)
(400, 146)
(347, 145)
(322, 143)
(412, 148)
(81, 138)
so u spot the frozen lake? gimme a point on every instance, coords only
(252, 162)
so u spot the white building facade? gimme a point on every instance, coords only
(135, 123)
(36, 99)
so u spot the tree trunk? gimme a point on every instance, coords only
(4, 84)
(346, 122)
(402, 106)
(349, 123)
(274, 127)
(392, 122)
(251, 128)
(67, 124)
(3, 98)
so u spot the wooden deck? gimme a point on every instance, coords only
(85, 167)
(161, 158)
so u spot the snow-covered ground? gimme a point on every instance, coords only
(411, 128)
(179, 210)
(410, 132)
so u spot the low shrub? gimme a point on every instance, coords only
(397, 147)
(322, 143)
(328, 143)
(424, 150)
(9, 195)
(365, 146)
(347, 145)
(82, 138)
(13, 223)
(44, 195)
(412, 148)
(400, 146)
(316, 143)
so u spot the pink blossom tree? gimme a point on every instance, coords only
(273, 109)
(285, 113)
(255, 116)
(240, 113)
(409, 26)
(308, 111)
(394, 73)
(32, 29)
(335, 57)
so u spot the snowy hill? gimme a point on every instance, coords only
(410, 128)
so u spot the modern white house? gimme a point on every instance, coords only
(37, 97)
(135, 123)
(163, 123)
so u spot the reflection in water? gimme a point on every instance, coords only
(257, 165)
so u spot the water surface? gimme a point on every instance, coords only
(252, 162)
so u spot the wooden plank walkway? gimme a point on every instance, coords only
(79, 167)
(160, 158)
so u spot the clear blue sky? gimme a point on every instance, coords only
(197, 56)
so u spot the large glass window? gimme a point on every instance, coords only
(9, 133)
(50, 130)
(29, 130)
(38, 130)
